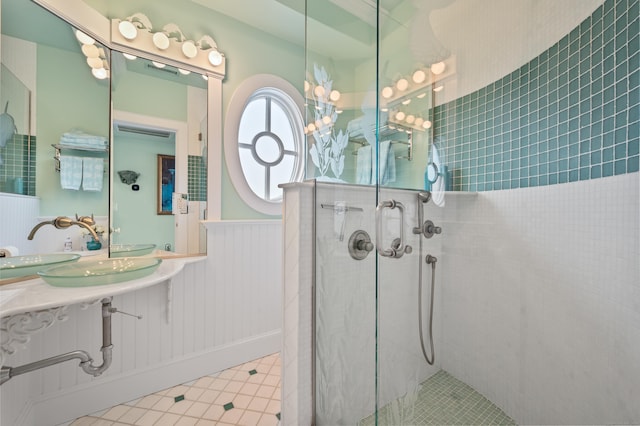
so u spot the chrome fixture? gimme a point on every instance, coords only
(429, 229)
(398, 248)
(86, 362)
(63, 222)
(430, 260)
(360, 245)
(425, 227)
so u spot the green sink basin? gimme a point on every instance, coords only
(130, 250)
(100, 272)
(22, 266)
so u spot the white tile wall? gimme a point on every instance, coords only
(540, 300)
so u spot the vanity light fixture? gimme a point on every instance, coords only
(419, 121)
(426, 124)
(83, 38)
(402, 84)
(184, 72)
(400, 116)
(387, 92)
(419, 77)
(334, 95)
(129, 27)
(96, 56)
(158, 64)
(410, 118)
(438, 68)
(130, 56)
(135, 36)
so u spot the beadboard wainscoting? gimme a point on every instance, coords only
(214, 314)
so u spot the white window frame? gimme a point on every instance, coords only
(238, 102)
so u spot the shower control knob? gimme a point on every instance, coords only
(429, 229)
(360, 245)
(408, 249)
(364, 245)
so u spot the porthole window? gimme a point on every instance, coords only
(264, 140)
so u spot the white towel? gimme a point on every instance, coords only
(92, 173)
(363, 165)
(383, 161)
(70, 172)
(390, 174)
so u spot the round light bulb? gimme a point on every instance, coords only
(99, 73)
(419, 121)
(130, 56)
(319, 91)
(402, 84)
(160, 40)
(400, 115)
(215, 58)
(90, 50)
(419, 77)
(184, 72)
(189, 49)
(158, 64)
(387, 92)
(438, 68)
(311, 127)
(127, 30)
(95, 63)
(83, 38)
(410, 118)
(426, 124)
(326, 119)
(334, 95)
(318, 124)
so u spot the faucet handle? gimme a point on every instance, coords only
(86, 219)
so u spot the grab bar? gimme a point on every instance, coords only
(398, 248)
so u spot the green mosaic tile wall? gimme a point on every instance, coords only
(197, 173)
(572, 113)
(18, 169)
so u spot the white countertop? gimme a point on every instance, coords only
(36, 295)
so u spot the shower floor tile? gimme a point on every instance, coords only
(247, 394)
(443, 400)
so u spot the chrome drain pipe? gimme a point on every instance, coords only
(86, 362)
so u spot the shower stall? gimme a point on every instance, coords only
(465, 247)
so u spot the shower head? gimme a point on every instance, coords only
(424, 196)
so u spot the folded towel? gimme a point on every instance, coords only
(383, 154)
(77, 138)
(92, 174)
(363, 165)
(70, 172)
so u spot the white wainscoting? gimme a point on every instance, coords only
(224, 311)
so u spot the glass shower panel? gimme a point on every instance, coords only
(340, 90)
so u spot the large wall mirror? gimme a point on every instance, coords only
(159, 111)
(53, 98)
(141, 109)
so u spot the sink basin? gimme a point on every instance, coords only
(21, 266)
(100, 272)
(130, 250)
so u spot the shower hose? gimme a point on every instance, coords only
(431, 260)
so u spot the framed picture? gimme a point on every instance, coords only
(166, 182)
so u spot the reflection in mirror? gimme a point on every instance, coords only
(55, 106)
(158, 112)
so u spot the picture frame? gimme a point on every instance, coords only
(166, 183)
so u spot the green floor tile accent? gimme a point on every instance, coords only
(441, 400)
(228, 406)
(252, 372)
(178, 398)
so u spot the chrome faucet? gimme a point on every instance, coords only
(63, 222)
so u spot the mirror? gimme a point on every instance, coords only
(160, 134)
(48, 90)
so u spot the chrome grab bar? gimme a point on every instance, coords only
(398, 248)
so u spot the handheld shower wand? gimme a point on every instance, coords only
(423, 198)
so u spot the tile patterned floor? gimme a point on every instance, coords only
(248, 394)
(442, 400)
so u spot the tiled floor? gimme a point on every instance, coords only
(442, 400)
(248, 394)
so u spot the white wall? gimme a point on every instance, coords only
(540, 300)
(223, 311)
